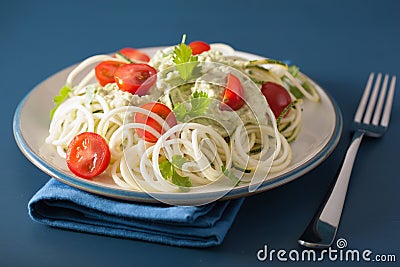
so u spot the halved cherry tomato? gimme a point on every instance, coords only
(134, 54)
(135, 78)
(88, 155)
(199, 47)
(104, 71)
(233, 95)
(161, 110)
(277, 97)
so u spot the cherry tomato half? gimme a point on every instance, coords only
(233, 95)
(135, 78)
(277, 97)
(161, 110)
(134, 54)
(88, 155)
(105, 70)
(199, 47)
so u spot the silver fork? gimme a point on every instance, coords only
(322, 229)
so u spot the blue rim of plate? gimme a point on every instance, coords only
(182, 198)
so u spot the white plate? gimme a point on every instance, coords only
(321, 130)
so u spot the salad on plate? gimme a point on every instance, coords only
(191, 116)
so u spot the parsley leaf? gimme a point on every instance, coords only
(58, 99)
(180, 111)
(168, 171)
(178, 161)
(199, 103)
(181, 181)
(184, 60)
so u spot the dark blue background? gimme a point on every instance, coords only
(337, 43)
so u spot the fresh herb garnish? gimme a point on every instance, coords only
(58, 99)
(168, 171)
(199, 103)
(184, 60)
(180, 111)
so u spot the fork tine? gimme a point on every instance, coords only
(372, 100)
(389, 101)
(363, 101)
(379, 105)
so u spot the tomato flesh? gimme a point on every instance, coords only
(134, 54)
(233, 94)
(135, 78)
(88, 155)
(105, 70)
(277, 97)
(199, 47)
(161, 110)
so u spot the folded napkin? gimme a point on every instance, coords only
(60, 205)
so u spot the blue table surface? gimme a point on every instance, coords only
(338, 43)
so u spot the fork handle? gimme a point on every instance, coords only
(322, 229)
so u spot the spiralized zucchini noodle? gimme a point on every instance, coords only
(208, 146)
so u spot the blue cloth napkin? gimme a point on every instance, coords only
(62, 206)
